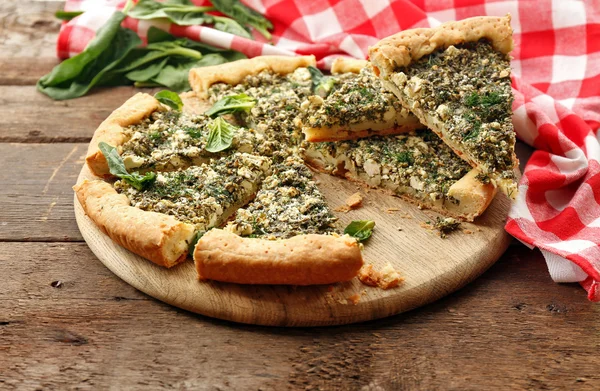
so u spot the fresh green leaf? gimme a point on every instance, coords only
(77, 75)
(117, 168)
(187, 18)
(170, 99)
(244, 15)
(321, 84)
(325, 87)
(67, 15)
(220, 135)
(229, 25)
(360, 229)
(231, 104)
(175, 11)
(197, 236)
(147, 73)
(157, 35)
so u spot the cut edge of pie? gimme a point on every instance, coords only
(473, 196)
(394, 122)
(403, 48)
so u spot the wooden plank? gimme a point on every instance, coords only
(29, 116)
(28, 28)
(96, 332)
(36, 195)
(22, 71)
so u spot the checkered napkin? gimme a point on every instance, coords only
(556, 81)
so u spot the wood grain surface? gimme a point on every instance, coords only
(67, 322)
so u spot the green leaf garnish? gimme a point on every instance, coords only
(117, 168)
(220, 135)
(231, 104)
(360, 229)
(170, 99)
(197, 236)
(321, 84)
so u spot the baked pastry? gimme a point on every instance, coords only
(300, 260)
(456, 79)
(354, 106)
(416, 166)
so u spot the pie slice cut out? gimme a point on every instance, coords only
(354, 105)
(456, 79)
(416, 166)
(288, 203)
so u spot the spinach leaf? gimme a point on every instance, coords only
(184, 11)
(321, 84)
(170, 99)
(231, 104)
(75, 76)
(220, 135)
(244, 15)
(147, 73)
(117, 168)
(229, 25)
(175, 75)
(67, 15)
(360, 229)
(186, 18)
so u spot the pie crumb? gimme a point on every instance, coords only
(467, 231)
(386, 279)
(354, 201)
(391, 210)
(390, 278)
(368, 276)
(354, 299)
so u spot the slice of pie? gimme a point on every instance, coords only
(159, 222)
(150, 137)
(416, 166)
(289, 203)
(456, 79)
(354, 105)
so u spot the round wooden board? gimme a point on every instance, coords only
(431, 266)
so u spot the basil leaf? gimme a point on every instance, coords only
(244, 15)
(67, 15)
(220, 135)
(75, 76)
(360, 229)
(170, 99)
(197, 236)
(231, 104)
(117, 168)
(321, 84)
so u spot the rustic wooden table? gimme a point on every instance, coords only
(67, 322)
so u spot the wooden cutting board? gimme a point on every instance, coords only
(431, 266)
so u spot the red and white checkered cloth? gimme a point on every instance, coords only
(556, 81)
